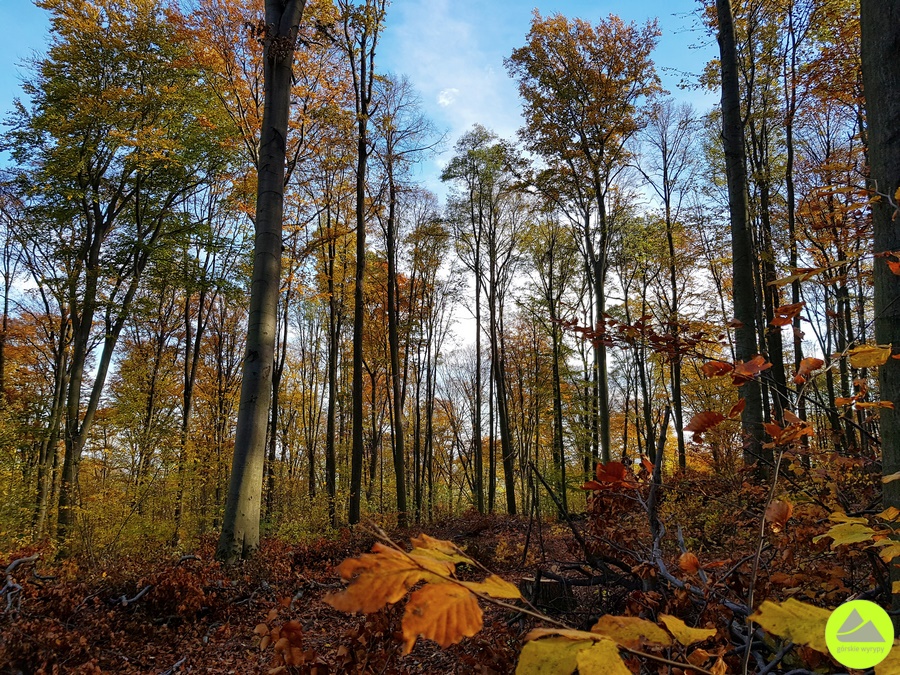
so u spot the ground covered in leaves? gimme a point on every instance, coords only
(167, 613)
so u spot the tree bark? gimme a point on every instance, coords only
(741, 244)
(880, 26)
(240, 525)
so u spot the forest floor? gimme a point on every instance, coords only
(159, 613)
(198, 616)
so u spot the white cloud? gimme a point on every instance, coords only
(447, 96)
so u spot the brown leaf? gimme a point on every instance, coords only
(785, 314)
(744, 372)
(703, 422)
(445, 613)
(737, 409)
(778, 513)
(807, 366)
(689, 563)
(716, 368)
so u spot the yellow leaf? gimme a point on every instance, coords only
(841, 517)
(445, 613)
(631, 631)
(895, 587)
(684, 633)
(869, 356)
(495, 587)
(847, 533)
(794, 620)
(552, 656)
(601, 659)
(891, 665)
(439, 549)
(890, 513)
(897, 195)
(890, 478)
(570, 633)
(381, 578)
(890, 550)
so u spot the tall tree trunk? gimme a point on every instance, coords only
(741, 244)
(880, 25)
(397, 425)
(240, 525)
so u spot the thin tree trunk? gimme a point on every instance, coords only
(741, 245)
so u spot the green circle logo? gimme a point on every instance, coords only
(859, 634)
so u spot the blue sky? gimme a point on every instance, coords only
(452, 51)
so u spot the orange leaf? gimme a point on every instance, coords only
(807, 366)
(876, 404)
(613, 474)
(381, 578)
(716, 368)
(647, 464)
(737, 409)
(703, 422)
(689, 563)
(778, 513)
(841, 401)
(785, 314)
(445, 613)
(744, 372)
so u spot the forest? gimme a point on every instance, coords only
(627, 386)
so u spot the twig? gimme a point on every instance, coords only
(759, 549)
(124, 600)
(176, 666)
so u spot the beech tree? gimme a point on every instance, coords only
(880, 24)
(582, 85)
(744, 287)
(240, 525)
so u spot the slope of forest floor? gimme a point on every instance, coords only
(161, 613)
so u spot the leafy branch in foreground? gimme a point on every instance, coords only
(445, 609)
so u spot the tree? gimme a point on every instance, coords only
(240, 525)
(880, 24)
(361, 27)
(119, 133)
(744, 293)
(582, 85)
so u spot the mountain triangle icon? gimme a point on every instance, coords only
(855, 629)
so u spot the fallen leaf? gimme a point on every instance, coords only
(890, 478)
(689, 563)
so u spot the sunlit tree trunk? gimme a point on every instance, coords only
(240, 524)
